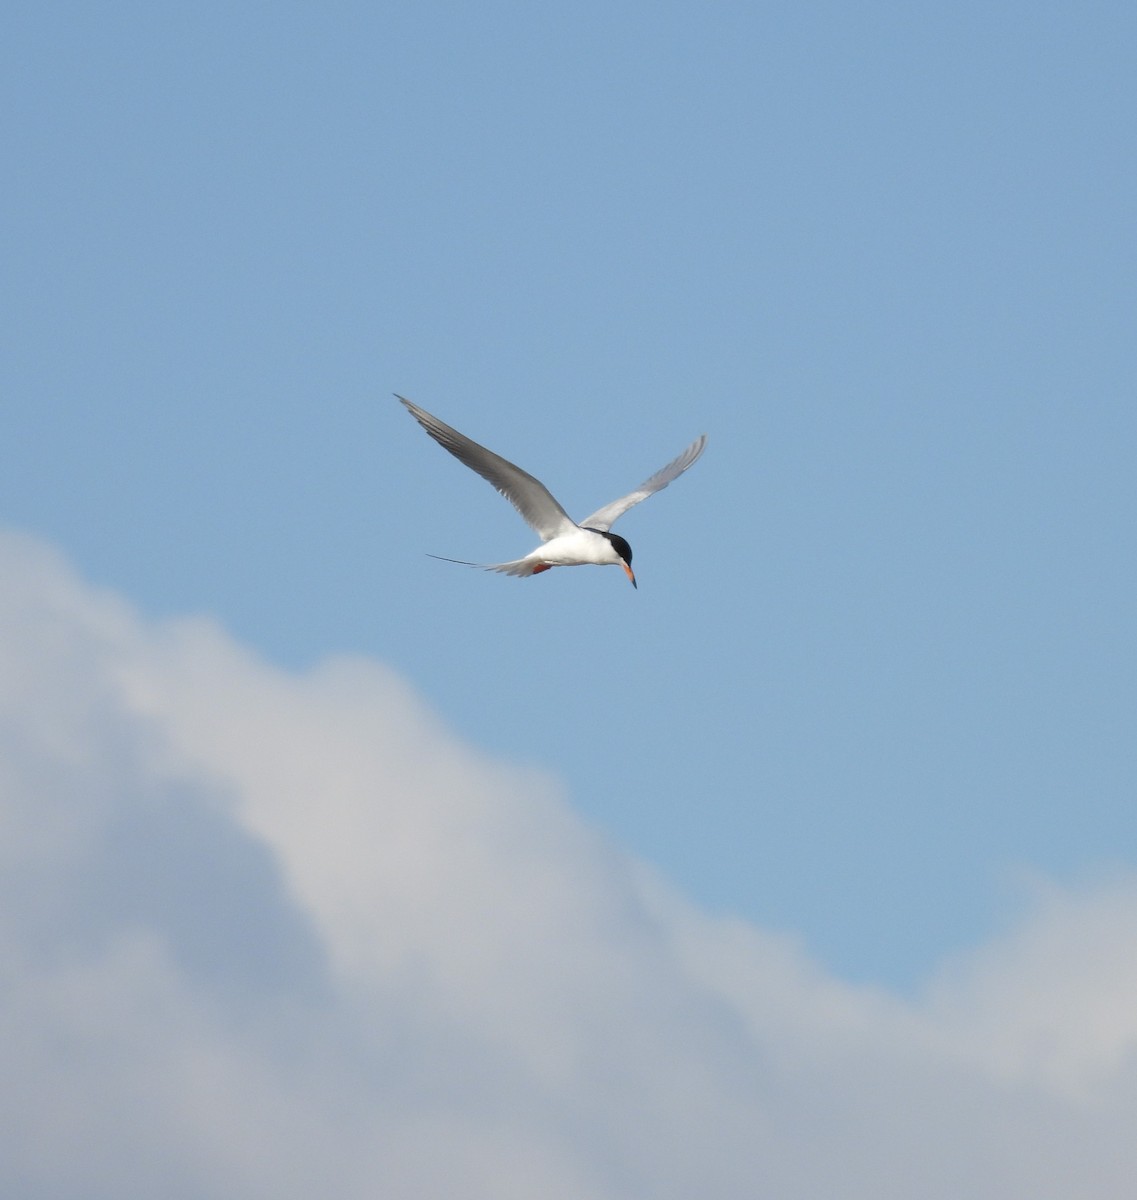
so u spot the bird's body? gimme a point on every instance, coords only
(564, 542)
(576, 548)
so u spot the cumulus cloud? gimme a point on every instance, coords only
(276, 935)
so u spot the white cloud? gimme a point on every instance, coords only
(281, 935)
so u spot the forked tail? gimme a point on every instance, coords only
(521, 567)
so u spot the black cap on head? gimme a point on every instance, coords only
(620, 546)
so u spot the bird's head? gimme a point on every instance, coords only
(625, 552)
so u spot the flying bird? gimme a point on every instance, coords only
(564, 543)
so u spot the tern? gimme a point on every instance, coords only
(564, 543)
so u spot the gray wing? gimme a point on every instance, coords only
(529, 496)
(604, 518)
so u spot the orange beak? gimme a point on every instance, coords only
(628, 572)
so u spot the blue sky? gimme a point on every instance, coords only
(882, 656)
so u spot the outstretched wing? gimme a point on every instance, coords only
(604, 518)
(529, 496)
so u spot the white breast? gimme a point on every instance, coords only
(579, 546)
